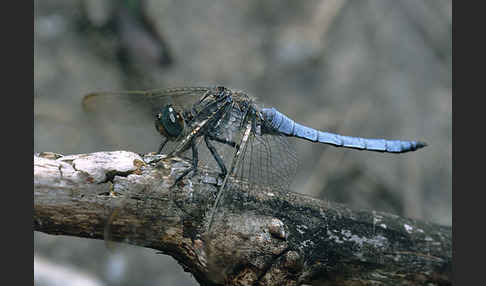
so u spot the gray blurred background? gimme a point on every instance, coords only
(376, 69)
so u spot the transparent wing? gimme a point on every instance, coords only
(268, 160)
(265, 162)
(127, 106)
(259, 161)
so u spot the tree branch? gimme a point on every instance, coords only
(260, 237)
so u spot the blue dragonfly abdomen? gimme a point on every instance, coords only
(283, 124)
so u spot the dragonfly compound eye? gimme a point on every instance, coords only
(169, 122)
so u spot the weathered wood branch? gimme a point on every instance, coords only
(260, 237)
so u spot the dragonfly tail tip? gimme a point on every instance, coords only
(421, 144)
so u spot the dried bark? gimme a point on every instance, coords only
(260, 237)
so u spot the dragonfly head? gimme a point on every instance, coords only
(169, 122)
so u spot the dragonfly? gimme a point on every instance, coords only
(246, 142)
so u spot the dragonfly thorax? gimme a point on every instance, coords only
(169, 122)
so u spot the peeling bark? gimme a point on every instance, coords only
(260, 237)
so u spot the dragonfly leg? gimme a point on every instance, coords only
(221, 140)
(161, 146)
(215, 153)
(195, 161)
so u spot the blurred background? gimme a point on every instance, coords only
(376, 69)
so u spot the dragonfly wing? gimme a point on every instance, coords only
(123, 118)
(269, 161)
(126, 106)
(260, 161)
